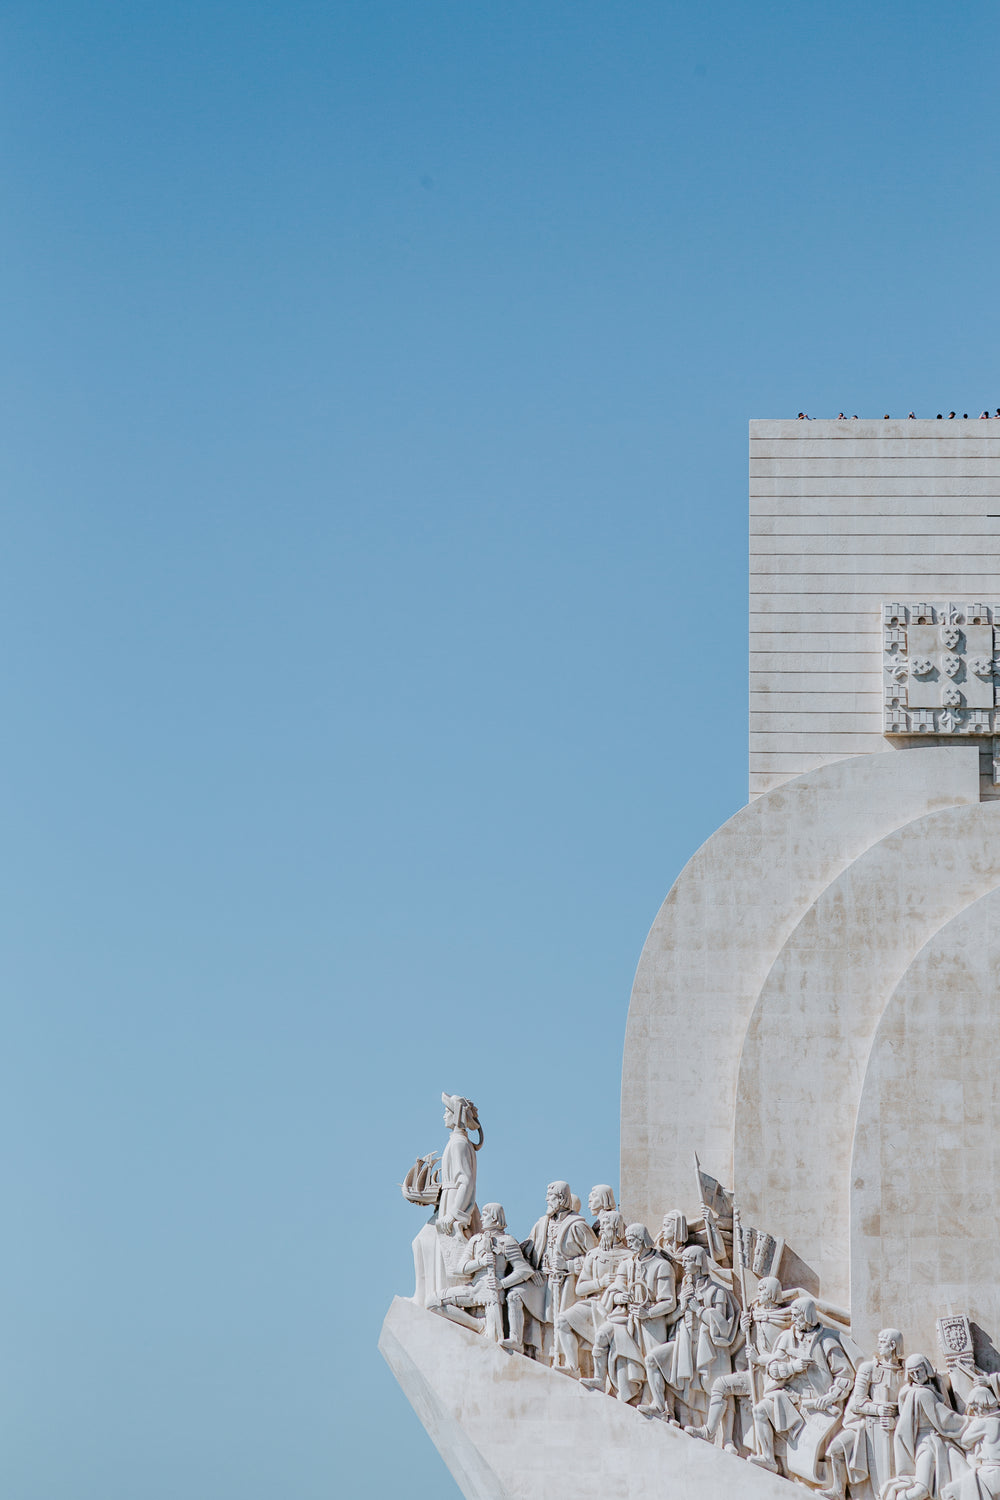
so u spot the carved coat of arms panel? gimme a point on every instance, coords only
(940, 667)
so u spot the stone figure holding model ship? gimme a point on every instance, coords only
(449, 1186)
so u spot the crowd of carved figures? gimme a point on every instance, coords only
(682, 1325)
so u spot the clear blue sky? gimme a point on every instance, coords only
(372, 628)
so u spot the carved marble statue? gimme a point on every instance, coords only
(595, 1273)
(600, 1199)
(457, 1203)
(926, 1449)
(705, 1325)
(861, 1455)
(440, 1247)
(807, 1377)
(760, 1325)
(559, 1239)
(496, 1262)
(981, 1440)
(673, 1236)
(638, 1303)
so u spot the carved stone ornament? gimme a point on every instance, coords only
(697, 1330)
(945, 653)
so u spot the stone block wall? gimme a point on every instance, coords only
(845, 516)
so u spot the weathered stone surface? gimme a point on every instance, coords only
(510, 1429)
(715, 938)
(807, 1044)
(926, 1163)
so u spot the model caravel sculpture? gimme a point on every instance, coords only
(422, 1183)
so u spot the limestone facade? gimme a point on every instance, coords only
(845, 517)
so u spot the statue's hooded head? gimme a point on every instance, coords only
(980, 1401)
(460, 1114)
(612, 1227)
(601, 1197)
(804, 1314)
(674, 1230)
(637, 1237)
(890, 1344)
(695, 1261)
(558, 1197)
(919, 1370)
(493, 1216)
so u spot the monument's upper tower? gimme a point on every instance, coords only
(867, 539)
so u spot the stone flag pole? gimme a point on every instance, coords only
(815, 1018)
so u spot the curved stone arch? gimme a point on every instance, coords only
(716, 936)
(925, 1170)
(806, 1047)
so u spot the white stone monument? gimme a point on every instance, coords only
(815, 1022)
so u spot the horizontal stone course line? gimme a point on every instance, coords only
(787, 686)
(826, 640)
(986, 444)
(874, 528)
(865, 695)
(790, 704)
(943, 544)
(844, 564)
(847, 741)
(815, 661)
(814, 610)
(854, 486)
(873, 468)
(897, 586)
(899, 501)
(814, 723)
(865, 615)
(805, 682)
(794, 622)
